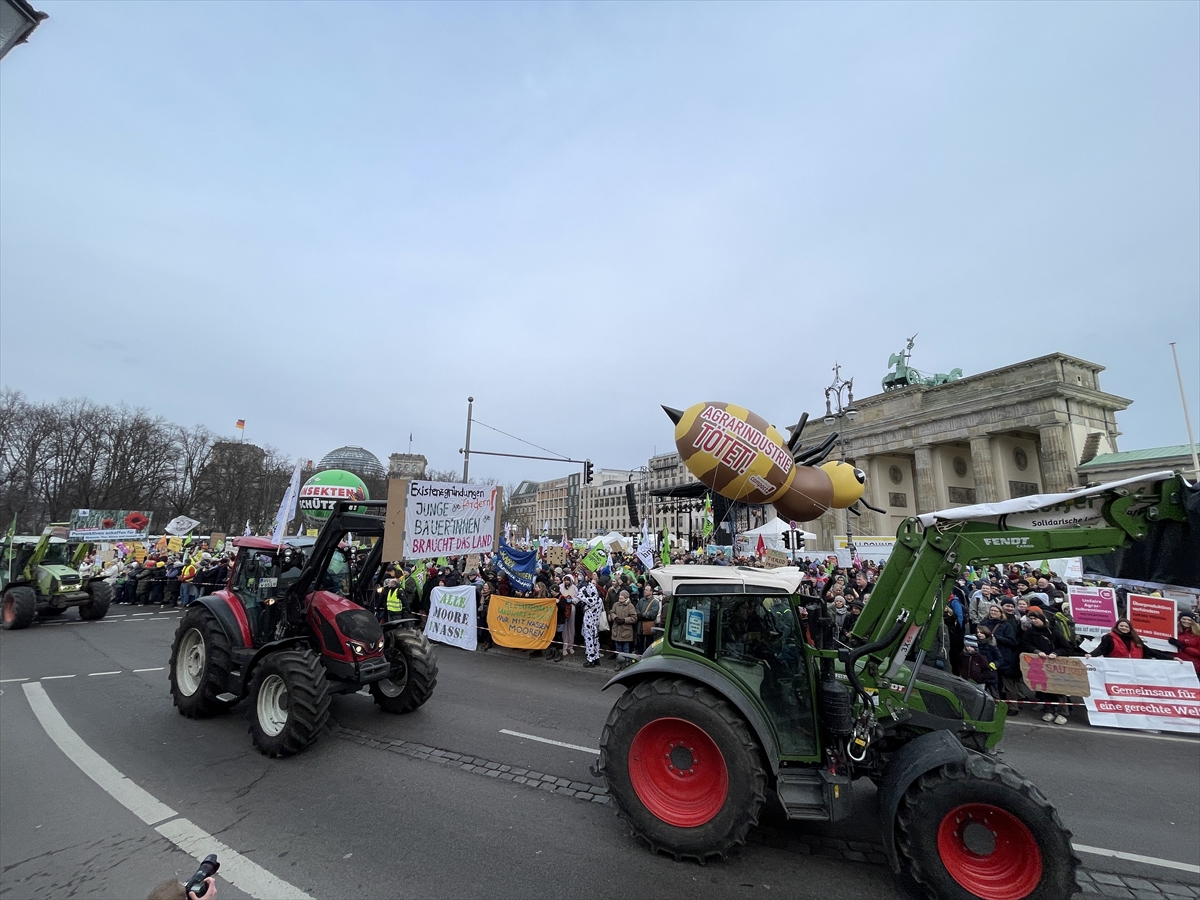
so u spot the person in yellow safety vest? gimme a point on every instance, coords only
(188, 591)
(395, 602)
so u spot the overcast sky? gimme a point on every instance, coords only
(338, 220)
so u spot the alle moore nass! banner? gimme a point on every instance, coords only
(443, 518)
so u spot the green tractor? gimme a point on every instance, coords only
(748, 698)
(39, 576)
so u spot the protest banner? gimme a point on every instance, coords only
(1154, 694)
(596, 558)
(452, 616)
(216, 541)
(773, 559)
(174, 544)
(556, 555)
(518, 565)
(448, 519)
(109, 525)
(1153, 618)
(139, 552)
(1094, 610)
(1062, 675)
(473, 561)
(875, 547)
(524, 623)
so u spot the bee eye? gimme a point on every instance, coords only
(861, 476)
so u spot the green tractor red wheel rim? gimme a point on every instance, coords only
(678, 772)
(989, 852)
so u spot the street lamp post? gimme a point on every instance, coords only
(837, 409)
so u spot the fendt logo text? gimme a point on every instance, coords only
(1007, 542)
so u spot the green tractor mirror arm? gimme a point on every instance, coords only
(912, 587)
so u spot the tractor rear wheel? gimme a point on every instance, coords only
(683, 768)
(413, 675)
(20, 604)
(291, 702)
(200, 662)
(977, 830)
(97, 607)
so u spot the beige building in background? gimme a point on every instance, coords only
(1018, 430)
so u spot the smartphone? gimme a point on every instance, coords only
(207, 869)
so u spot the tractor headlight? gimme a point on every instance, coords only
(379, 644)
(357, 648)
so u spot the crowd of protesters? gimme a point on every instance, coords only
(990, 617)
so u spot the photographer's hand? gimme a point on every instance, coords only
(210, 890)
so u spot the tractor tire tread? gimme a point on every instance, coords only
(691, 691)
(977, 767)
(97, 607)
(24, 600)
(308, 698)
(218, 664)
(422, 673)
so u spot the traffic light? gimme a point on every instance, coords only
(799, 540)
(787, 539)
(587, 472)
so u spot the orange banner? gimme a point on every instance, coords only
(525, 623)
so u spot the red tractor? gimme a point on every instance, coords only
(287, 632)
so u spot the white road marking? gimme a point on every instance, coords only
(542, 740)
(7, 680)
(1137, 857)
(141, 614)
(243, 873)
(94, 674)
(159, 669)
(52, 677)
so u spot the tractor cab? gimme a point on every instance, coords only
(262, 574)
(754, 635)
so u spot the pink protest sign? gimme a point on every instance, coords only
(1094, 610)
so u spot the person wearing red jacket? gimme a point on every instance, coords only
(1188, 642)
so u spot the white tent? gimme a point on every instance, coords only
(772, 535)
(614, 542)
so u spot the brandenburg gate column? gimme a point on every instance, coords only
(983, 470)
(926, 487)
(1058, 470)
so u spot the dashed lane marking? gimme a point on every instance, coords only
(143, 614)
(7, 680)
(243, 873)
(52, 677)
(542, 740)
(94, 674)
(159, 669)
(1137, 857)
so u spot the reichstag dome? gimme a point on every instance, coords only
(358, 460)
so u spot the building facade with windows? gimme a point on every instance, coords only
(1018, 430)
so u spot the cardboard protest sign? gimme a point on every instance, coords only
(448, 519)
(526, 623)
(556, 555)
(1062, 675)
(1094, 610)
(1153, 618)
(473, 562)
(1154, 694)
(452, 616)
(773, 559)
(174, 545)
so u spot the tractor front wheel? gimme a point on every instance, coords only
(291, 702)
(200, 662)
(683, 769)
(977, 830)
(20, 604)
(413, 675)
(101, 597)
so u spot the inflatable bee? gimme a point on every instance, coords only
(741, 456)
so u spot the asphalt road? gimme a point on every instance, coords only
(359, 815)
